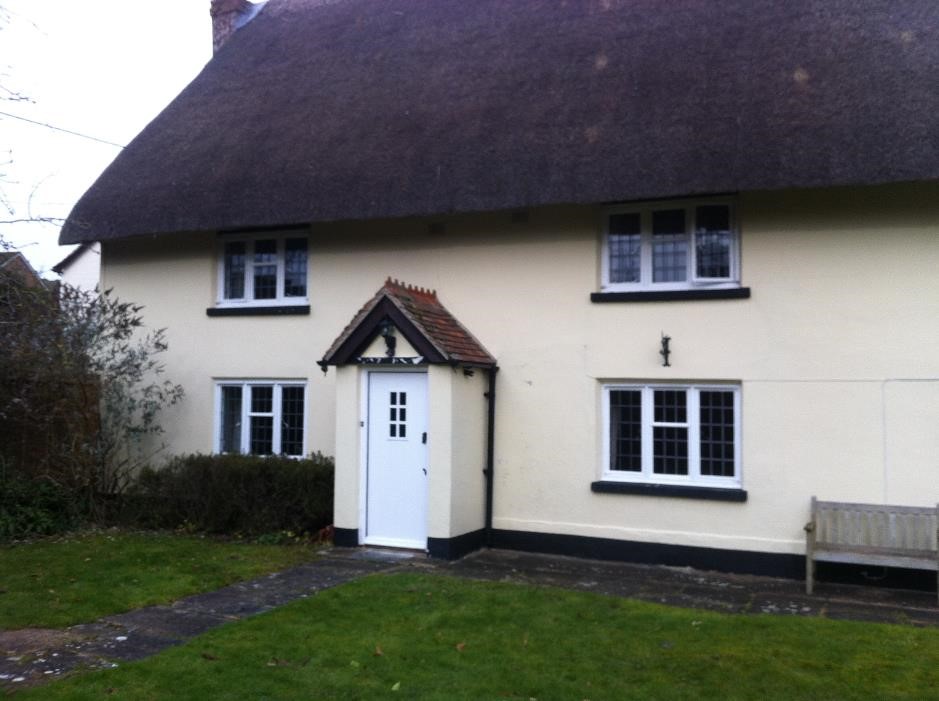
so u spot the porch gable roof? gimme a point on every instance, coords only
(420, 317)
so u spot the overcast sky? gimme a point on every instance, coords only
(102, 68)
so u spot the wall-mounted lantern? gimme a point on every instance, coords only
(665, 352)
(387, 330)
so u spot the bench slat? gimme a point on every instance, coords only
(871, 534)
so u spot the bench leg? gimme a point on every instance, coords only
(809, 574)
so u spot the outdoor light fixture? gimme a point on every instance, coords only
(665, 352)
(388, 333)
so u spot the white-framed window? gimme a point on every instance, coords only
(260, 417)
(263, 269)
(672, 434)
(670, 246)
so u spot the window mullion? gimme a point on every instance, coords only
(694, 434)
(281, 267)
(277, 416)
(245, 417)
(647, 416)
(249, 270)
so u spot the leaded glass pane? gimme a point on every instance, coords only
(626, 430)
(231, 420)
(669, 450)
(291, 413)
(262, 399)
(234, 274)
(265, 269)
(712, 241)
(295, 268)
(669, 246)
(624, 244)
(262, 435)
(671, 406)
(717, 433)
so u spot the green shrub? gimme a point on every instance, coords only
(32, 507)
(234, 494)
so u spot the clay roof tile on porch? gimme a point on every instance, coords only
(420, 318)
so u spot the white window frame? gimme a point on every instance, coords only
(692, 281)
(694, 476)
(249, 239)
(246, 413)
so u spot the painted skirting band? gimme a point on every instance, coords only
(718, 559)
(346, 537)
(456, 547)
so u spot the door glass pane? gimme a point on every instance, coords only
(717, 433)
(265, 269)
(231, 420)
(669, 246)
(712, 241)
(234, 270)
(624, 247)
(397, 415)
(626, 430)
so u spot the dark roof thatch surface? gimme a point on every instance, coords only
(361, 109)
(423, 320)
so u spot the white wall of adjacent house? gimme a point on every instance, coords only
(84, 271)
(835, 354)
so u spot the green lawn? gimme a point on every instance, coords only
(75, 579)
(416, 636)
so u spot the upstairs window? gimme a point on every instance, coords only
(267, 269)
(670, 246)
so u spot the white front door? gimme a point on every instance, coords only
(396, 464)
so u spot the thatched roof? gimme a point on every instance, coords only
(358, 109)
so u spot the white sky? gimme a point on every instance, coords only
(104, 68)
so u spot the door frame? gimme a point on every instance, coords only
(365, 384)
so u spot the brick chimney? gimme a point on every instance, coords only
(227, 17)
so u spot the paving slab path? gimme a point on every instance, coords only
(32, 656)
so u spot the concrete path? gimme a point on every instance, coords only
(689, 588)
(31, 656)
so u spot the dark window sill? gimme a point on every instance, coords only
(669, 490)
(671, 295)
(274, 310)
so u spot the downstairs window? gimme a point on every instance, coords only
(261, 418)
(672, 434)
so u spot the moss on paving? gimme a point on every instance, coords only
(431, 637)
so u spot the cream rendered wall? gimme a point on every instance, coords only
(348, 497)
(457, 451)
(836, 352)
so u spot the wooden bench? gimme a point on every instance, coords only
(871, 534)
